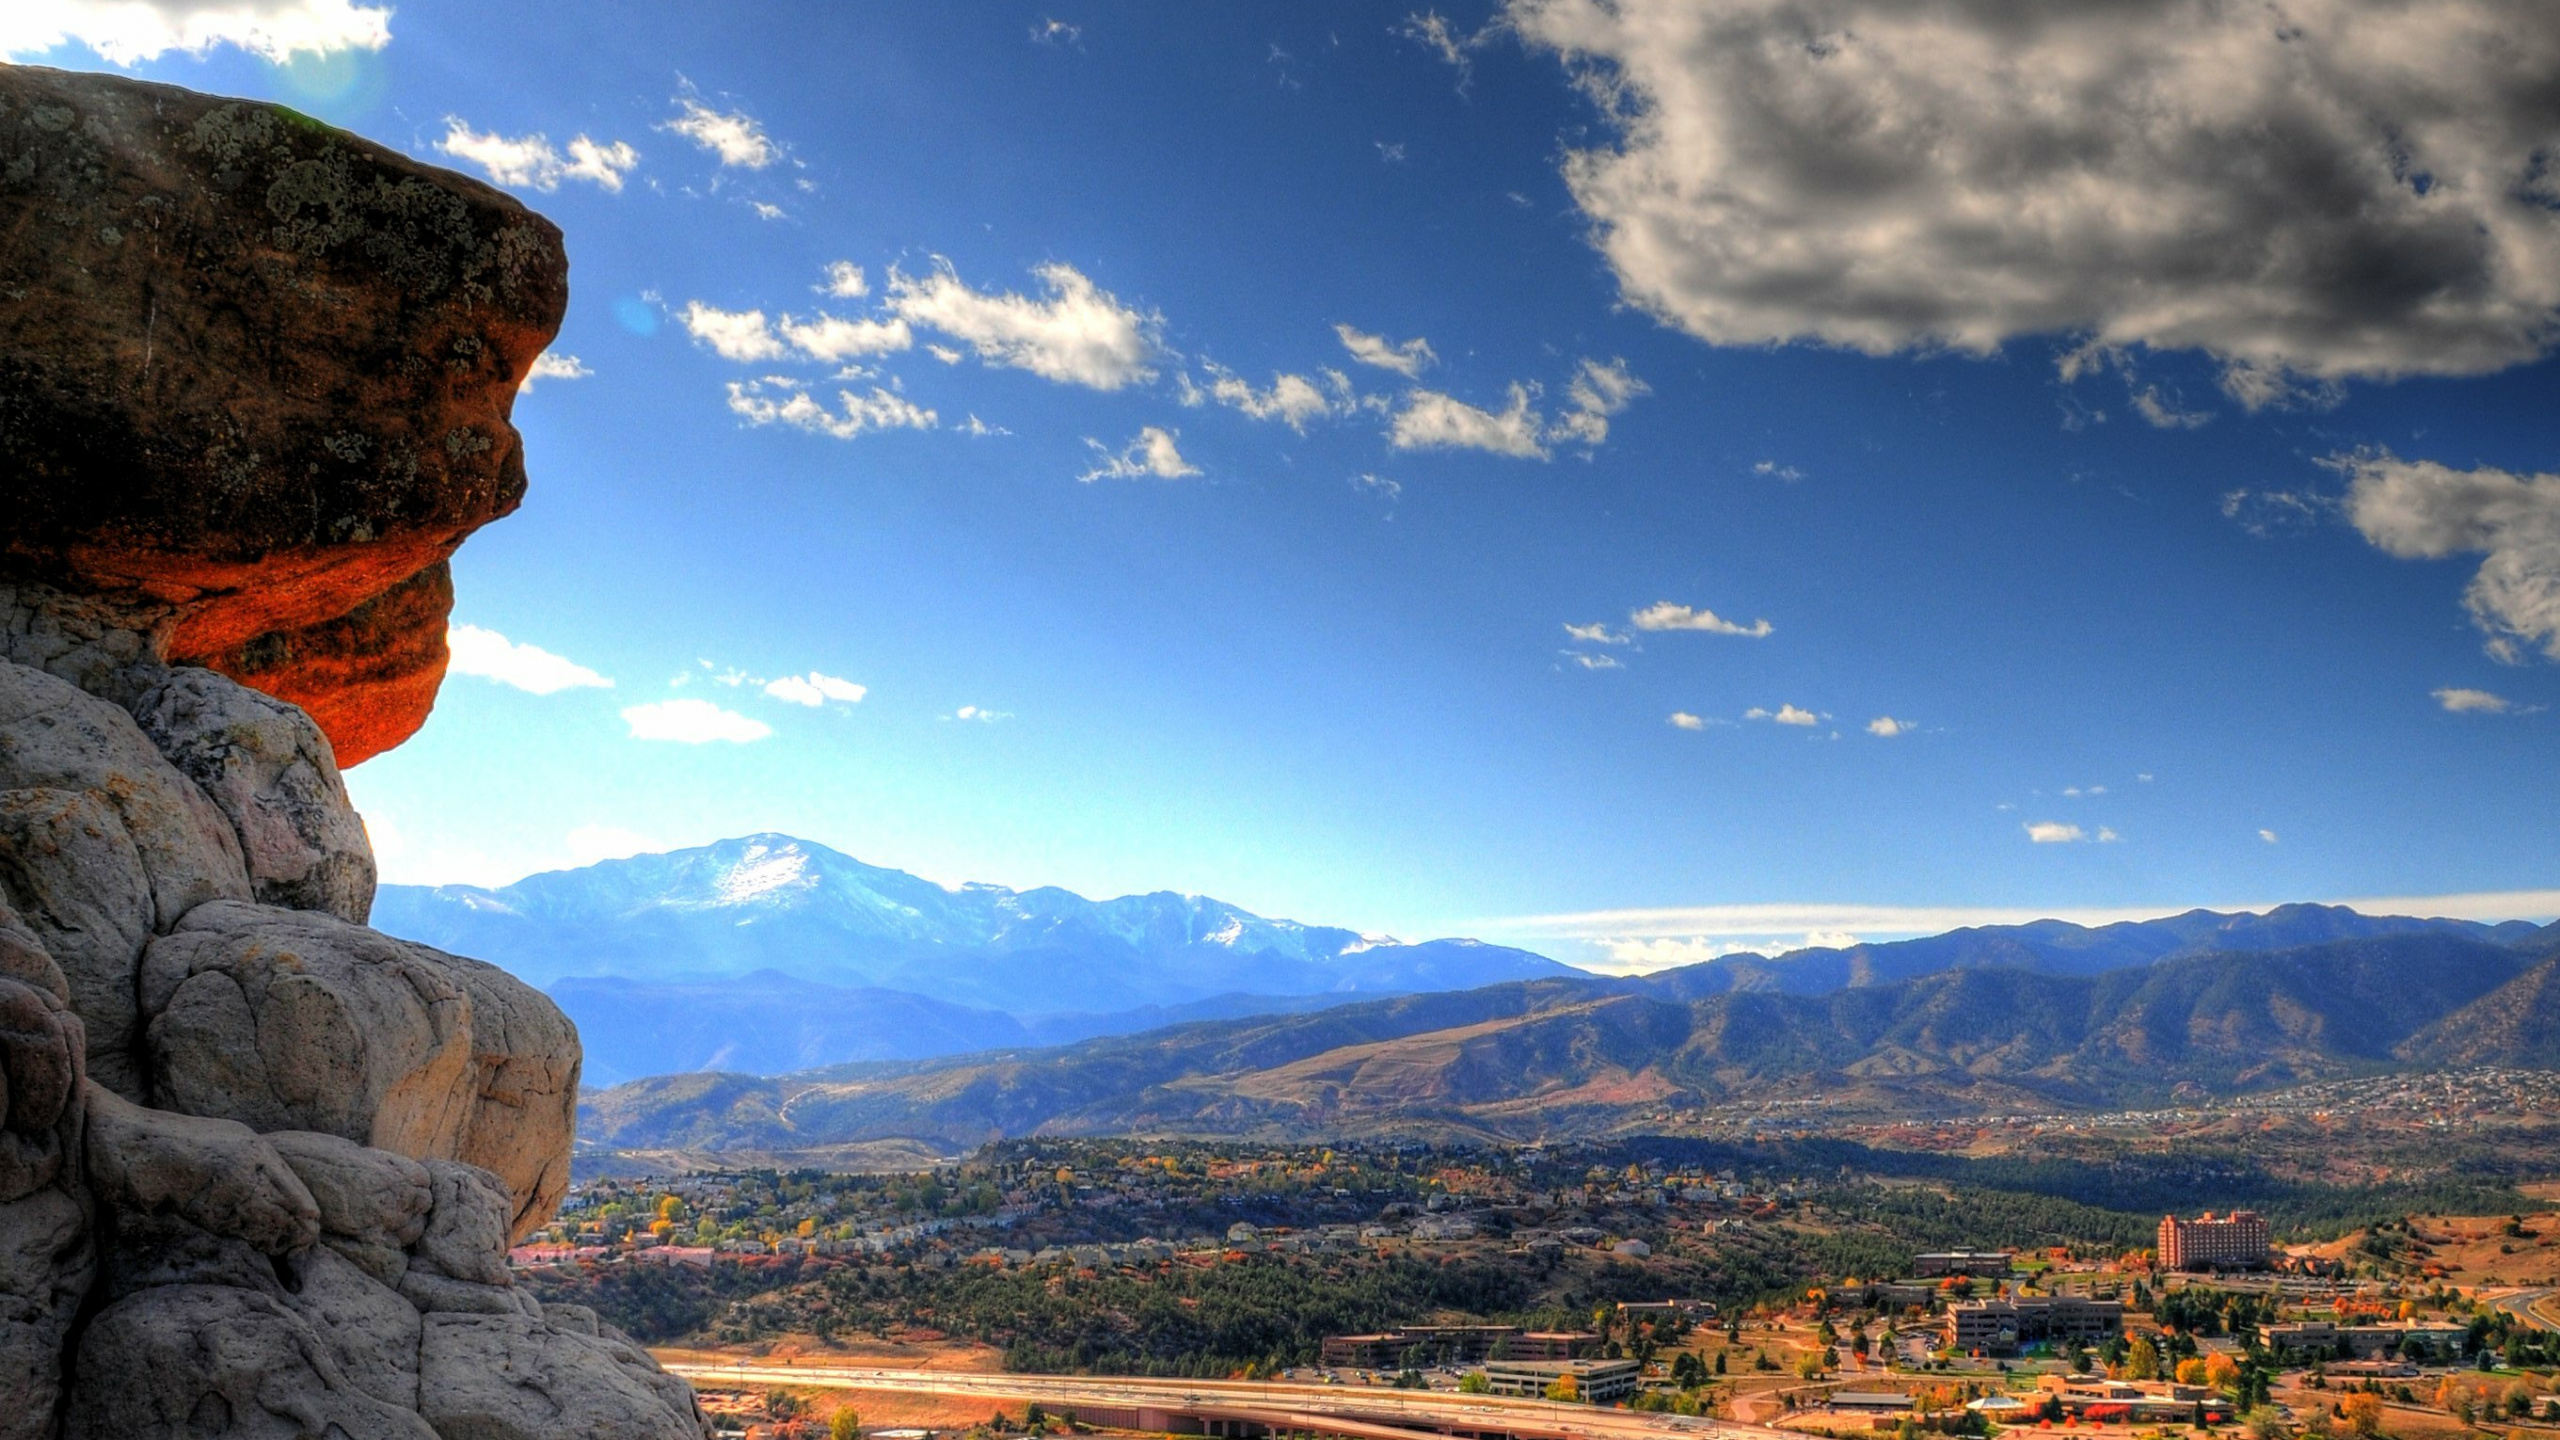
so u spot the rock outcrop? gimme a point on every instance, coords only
(255, 379)
(259, 1164)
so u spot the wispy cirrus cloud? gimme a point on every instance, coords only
(1151, 456)
(1408, 358)
(779, 400)
(1665, 615)
(1076, 333)
(530, 162)
(736, 139)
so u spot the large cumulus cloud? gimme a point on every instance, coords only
(2305, 188)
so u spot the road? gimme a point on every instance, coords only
(1360, 1411)
(2539, 1308)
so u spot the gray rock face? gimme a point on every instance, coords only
(294, 1020)
(489, 1377)
(218, 1175)
(373, 1204)
(466, 1232)
(174, 846)
(183, 1361)
(524, 1085)
(47, 1255)
(271, 773)
(368, 1328)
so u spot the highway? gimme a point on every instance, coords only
(2538, 1308)
(1230, 1407)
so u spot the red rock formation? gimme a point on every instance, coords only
(258, 371)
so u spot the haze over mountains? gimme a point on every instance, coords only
(767, 953)
(1549, 1058)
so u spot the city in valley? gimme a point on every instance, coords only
(2282, 1280)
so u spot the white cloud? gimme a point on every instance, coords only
(815, 689)
(1683, 720)
(2107, 836)
(2419, 509)
(845, 281)
(1431, 30)
(1078, 334)
(945, 354)
(552, 365)
(1887, 727)
(1595, 393)
(1783, 715)
(1407, 358)
(692, 722)
(2265, 513)
(1152, 454)
(2267, 835)
(1598, 633)
(735, 137)
(492, 656)
(1431, 420)
(741, 335)
(2332, 189)
(977, 428)
(981, 715)
(2473, 702)
(755, 401)
(2054, 832)
(1589, 661)
(1774, 470)
(1379, 485)
(1292, 399)
(1663, 615)
(529, 161)
(832, 337)
(765, 211)
(1057, 32)
(747, 337)
(124, 32)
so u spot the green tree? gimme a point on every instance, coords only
(845, 1424)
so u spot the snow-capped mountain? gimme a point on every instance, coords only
(775, 903)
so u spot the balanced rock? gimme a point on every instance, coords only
(255, 374)
(259, 1164)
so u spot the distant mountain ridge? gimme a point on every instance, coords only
(2058, 947)
(855, 961)
(1547, 1058)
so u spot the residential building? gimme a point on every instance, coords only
(1598, 1382)
(2237, 1241)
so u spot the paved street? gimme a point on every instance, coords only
(1364, 1412)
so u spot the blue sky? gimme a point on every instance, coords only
(1557, 473)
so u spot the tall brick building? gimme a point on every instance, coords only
(2237, 1241)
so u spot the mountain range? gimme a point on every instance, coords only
(2012, 1018)
(768, 953)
